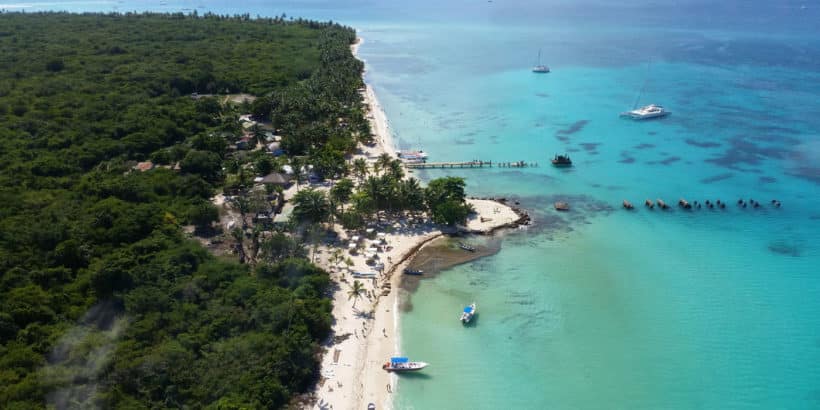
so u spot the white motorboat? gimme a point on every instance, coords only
(413, 155)
(403, 364)
(468, 313)
(646, 112)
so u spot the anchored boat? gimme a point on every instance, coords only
(468, 313)
(562, 161)
(538, 67)
(646, 112)
(403, 364)
(413, 272)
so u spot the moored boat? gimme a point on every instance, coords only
(646, 112)
(403, 364)
(538, 67)
(628, 205)
(413, 272)
(413, 155)
(561, 161)
(468, 313)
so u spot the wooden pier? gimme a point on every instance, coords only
(468, 164)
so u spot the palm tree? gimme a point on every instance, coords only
(396, 169)
(298, 171)
(355, 292)
(360, 169)
(239, 236)
(384, 161)
(311, 206)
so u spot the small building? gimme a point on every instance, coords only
(283, 217)
(277, 178)
(144, 166)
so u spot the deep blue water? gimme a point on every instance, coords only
(599, 307)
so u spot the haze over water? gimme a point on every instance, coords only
(600, 307)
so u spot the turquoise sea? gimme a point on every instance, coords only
(600, 308)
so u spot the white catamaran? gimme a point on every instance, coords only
(646, 112)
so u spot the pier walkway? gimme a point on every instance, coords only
(469, 164)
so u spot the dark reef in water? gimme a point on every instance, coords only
(767, 180)
(576, 127)
(715, 178)
(466, 141)
(707, 144)
(644, 146)
(742, 151)
(590, 147)
(785, 248)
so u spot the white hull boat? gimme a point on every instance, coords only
(403, 364)
(649, 111)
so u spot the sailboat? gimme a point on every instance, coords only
(648, 111)
(540, 68)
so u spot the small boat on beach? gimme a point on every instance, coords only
(364, 275)
(646, 112)
(413, 272)
(540, 68)
(403, 364)
(466, 247)
(468, 313)
(561, 161)
(561, 206)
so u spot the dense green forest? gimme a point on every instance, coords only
(103, 299)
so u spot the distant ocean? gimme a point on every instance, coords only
(602, 308)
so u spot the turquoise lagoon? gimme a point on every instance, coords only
(601, 308)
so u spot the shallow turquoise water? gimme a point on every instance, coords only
(599, 307)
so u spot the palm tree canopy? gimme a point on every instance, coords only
(356, 290)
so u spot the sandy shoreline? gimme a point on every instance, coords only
(365, 331)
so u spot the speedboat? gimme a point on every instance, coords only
(562, 161)
(646, 112)
(468, 313)
(403, 364)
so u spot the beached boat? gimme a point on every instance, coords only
(413, 272)
(403, 364)
(646, 112)
(468, 313)
(466, 247)
(540, 68)
(364, 275)
(562, 161)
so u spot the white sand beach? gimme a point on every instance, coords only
(366, 335)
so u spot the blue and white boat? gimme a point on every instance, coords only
(403, 364)
(468, 313)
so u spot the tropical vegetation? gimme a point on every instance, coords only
(105, 301)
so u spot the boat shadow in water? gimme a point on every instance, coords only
(414, 375)
(473, 322)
